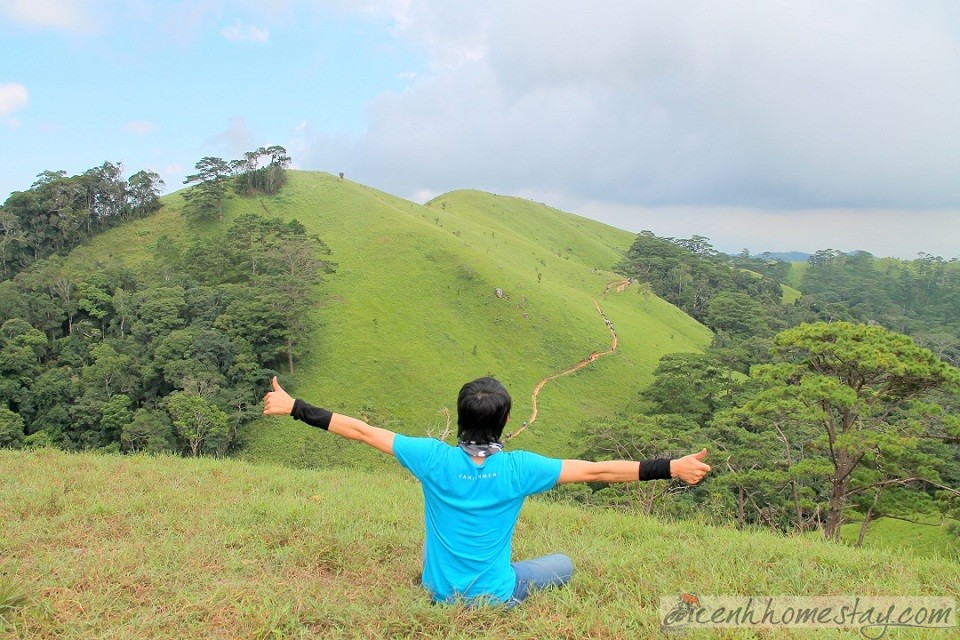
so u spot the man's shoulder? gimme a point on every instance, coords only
(419, 453)
(524, 453)
(422, 439)
(537, 472)
(522, 456)
(419, 443)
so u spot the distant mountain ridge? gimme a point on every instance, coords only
(785, 256)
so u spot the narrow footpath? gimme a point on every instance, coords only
(614, 342)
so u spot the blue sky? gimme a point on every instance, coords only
(159, 86)
(767, 125)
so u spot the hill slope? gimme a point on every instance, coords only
(134, 547)
(413, 310)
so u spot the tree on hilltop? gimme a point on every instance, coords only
(262, 170)
(211, 182)
(144, 192)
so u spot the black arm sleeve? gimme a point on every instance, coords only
(314, 416)
(657, 469)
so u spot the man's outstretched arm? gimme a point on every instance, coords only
(280, 403)
(691, 469)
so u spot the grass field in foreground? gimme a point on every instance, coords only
(137, 547)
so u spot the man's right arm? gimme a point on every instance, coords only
(691, 469)
(606, 471)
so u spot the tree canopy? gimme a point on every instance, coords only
(117, 360)
(59, 212)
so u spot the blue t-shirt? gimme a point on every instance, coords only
(470, 512)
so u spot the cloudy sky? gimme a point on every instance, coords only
(765, 125)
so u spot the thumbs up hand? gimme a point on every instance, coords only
(277, 402)
(691, 469)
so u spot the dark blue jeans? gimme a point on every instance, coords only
(554, 570)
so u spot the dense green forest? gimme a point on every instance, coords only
(168, 358)
(919, 297)
(739, 297)
(59, 212)
(820, 410)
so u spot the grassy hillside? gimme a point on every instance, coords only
(412, 312)
(132, 547)
(790, 295)
(795, 275)
(927, 537)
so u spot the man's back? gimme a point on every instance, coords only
(470, 512)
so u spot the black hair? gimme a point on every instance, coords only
(483, 407)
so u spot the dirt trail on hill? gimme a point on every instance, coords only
(619, 284)
(614, 342)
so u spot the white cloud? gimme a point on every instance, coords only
(741, 104)
(424, 196)
(245, 33)
(69, 15)
(140, 127)
(13, 96)
(233, 141)
(172, 176)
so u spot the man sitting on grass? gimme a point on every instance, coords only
(473, 492)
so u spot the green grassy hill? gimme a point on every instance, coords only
(412, 312)
(790, 295)
(109, 546)
(795, 274)
(928, 536)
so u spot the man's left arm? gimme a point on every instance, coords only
(691, 469)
